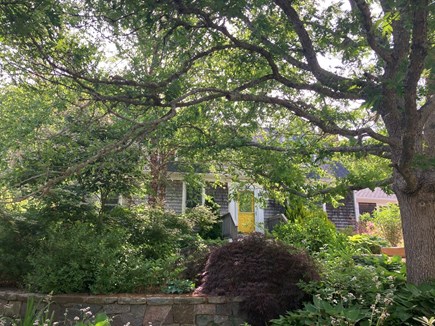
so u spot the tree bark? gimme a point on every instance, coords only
(418, 223)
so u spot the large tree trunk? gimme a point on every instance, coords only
(418, 222)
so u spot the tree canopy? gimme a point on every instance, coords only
(279, 88)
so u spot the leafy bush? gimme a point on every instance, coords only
(137, 249)
(412, 301)
(356, 279)
(155, 232)
(371, 243)
(321, 312)
(386, 220)
(263, 271)
(313, 233)
(195, 257)
(179, 287)
(353, 290)
(81, 258)
(202, 220)
(17, 238)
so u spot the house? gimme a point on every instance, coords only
(250, 210)
(243, 214)
(356, 203)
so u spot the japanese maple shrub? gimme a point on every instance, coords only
(265, 272)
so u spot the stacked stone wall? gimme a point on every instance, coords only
(133, 310)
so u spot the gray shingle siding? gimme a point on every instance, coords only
(174, 196)
(272, 209)
(343, 216)
(220, 196)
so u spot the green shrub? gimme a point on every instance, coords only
(202, 220)
(179, 287)
(371, 243)
(155, 232)
(387, 222)
(313, 233)
(321, 312)
(353, 290)
(17, 237)
(81, 258)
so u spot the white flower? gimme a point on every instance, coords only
(76, 318)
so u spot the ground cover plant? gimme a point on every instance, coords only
(356, 287)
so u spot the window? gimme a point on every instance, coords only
(366, 208)
(194, 195)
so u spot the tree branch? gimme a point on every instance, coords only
(370, 31)
(325, 77)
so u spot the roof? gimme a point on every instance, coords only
(378, 193)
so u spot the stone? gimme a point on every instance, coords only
(236, 299)
(219, 319)
(160, 300)
(100, 299)
(205, 309)
(6, 295)
(112, 309)
(204, 320)
(189, 300)
(235, 321)
(124, 319)
(138, 310)
(224, 309)
(183, 314)
(217, 300)
(158, 315)
(132, 300)
(68, 298)
(235, 309)
(11, 309)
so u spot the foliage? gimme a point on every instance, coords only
(412, 301)
(156, 233)
(387, 220)
(35, 316)
(372, 244)
(17, 237)
(426, 321)
(39, 314)
(202, 219)
(263, 271)
(314, 232)
(136, 249)
(352, 291)
(195, 257)
(322, 312)
(391, 264)
(179, 287)
(258, 89)
(81, 257)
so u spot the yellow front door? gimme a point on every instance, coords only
(246, 212)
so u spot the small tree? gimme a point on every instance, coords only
(387, 223)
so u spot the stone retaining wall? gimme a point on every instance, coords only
(137, 310)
